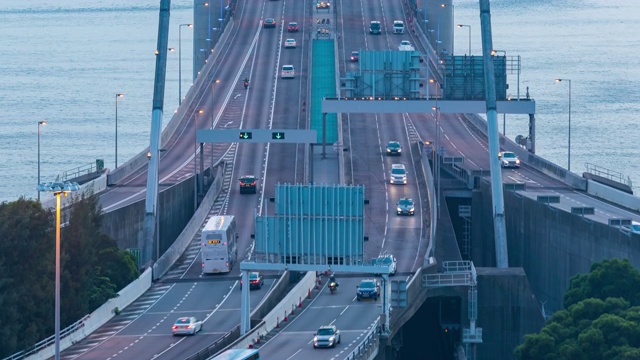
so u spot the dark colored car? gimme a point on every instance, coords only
(368, 289)
(394, 148)
(255, 281)
(248, 184)
(355, 56)
(405, 206)
(292, 27)
(269, 23)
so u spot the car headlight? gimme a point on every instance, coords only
(412, 209)
(388, 150)
(399, 209)
(399, 150)
(315, 339)
(518, 161)
(331, 339)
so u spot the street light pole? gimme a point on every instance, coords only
(117, 96)
(442, 6)
(569, 134)
(195, 152)
(180, 61)
(39, 123)
(213, 86)
(469, 26)
(436, 108)
(58, 188)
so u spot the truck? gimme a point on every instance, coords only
(398, 27)
(405, 45)
(375, 28)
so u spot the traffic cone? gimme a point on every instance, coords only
(277, 322)
(285, 316)
(300, 304)
(293, 309)
(309, 294)
(250, 346)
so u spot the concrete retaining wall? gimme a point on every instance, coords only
(551, 245)
(507, 310)
(99, 317)
(175, 208)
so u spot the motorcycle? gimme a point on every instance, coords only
(333, 287)
(246, 84)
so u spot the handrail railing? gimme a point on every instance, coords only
(608, 174)
(368, 344)
(48, 341)
(79, 171)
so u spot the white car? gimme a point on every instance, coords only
(509, 159)
(398, 174)
(405, 45)
(290, 43)
(387, 260)
(326, 336)
(288, 72)
(186, 326)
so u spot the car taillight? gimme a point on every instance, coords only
(254, 281)
(253, 183)
(175, 327)
(203, 265)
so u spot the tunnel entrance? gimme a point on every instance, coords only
(433, 332)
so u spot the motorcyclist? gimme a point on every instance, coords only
(332, 282)
(246, 83)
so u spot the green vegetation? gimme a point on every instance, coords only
(93, 269)
(601, 320)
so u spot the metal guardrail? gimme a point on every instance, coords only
(608, 174)
(456, 273)
(217, 346)
(368, 344)
(79, 171)
(49, 341)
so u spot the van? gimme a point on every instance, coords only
(375, 28)
(288, 72)
(398, 27)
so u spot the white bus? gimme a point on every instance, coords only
(219, 251)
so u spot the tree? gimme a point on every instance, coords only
(601, 320)
(93, 269)
(608, 278)
(26, 275)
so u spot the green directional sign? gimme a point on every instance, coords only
(245, 135)
(278, 135)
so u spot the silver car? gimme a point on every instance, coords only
(327, 336)
(398, 174)
(186, 326)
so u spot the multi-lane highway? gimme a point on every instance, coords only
(142, 330)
